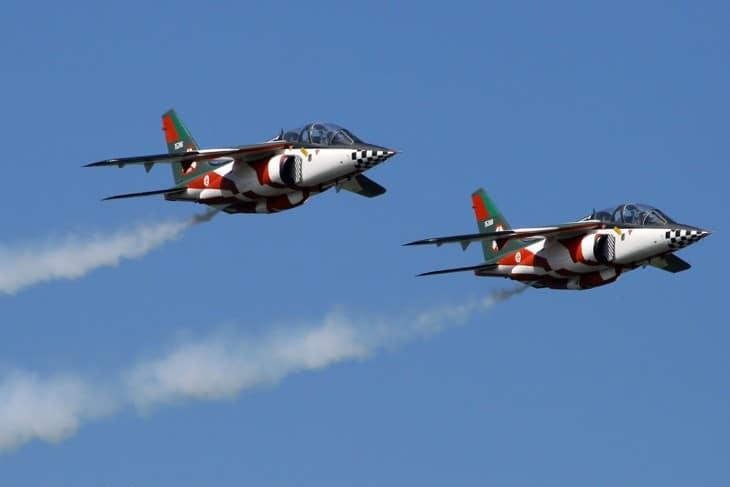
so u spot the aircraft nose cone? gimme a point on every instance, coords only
(366, 158)
(685, 236)
(700, 233)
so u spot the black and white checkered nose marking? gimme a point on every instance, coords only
(681, 238)
(365, 159)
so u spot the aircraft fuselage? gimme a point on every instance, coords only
(280, 182)
(599, 257)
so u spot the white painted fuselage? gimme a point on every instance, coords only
(280, 182)
(599, 257)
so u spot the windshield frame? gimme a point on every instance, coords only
(321, 134)
(633, 214)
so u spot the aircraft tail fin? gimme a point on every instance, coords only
(179, 140)
(490, 219)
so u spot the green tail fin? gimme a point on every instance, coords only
(490, 219)
(179, 140)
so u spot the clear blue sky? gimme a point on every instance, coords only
(553, 107)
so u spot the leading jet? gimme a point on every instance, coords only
(276, 175)
(584, 254)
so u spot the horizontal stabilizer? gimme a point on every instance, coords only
(146, 193)
(363, 186)
(480, 267)
(669, 263)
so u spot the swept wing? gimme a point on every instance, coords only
(556, 231)
(480, 267)
(145, 193)
(244, 153)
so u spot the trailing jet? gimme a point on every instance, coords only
(262, 178)
(579, 255)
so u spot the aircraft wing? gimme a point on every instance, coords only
(363, 186)
(556, 231)
(669, 263)
(145, 193)
(480, 267)
(245, 153)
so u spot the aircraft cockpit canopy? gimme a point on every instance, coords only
(632, 213)
(320, 133)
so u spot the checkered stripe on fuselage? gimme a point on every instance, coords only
(365, 159)
(682, 238)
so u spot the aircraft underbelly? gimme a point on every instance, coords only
(562, 262)
(552, 264)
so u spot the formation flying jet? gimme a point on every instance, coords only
(263, 178)
(578, 255)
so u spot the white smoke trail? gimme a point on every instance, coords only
(75, 256)
(217, 367)
(48, 409)
(227, 364)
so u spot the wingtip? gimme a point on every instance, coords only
(424, 274)
(429, 273)
(416, 242)
(105, 162)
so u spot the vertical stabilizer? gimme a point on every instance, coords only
(490, 219)
(179, 139)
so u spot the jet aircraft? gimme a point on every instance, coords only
(579, 255)
(263, 178)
